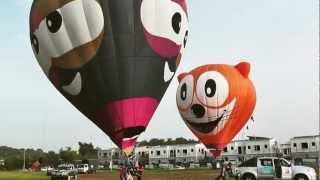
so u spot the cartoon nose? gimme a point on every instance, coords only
(198, 110)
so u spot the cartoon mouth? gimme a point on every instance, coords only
(206, 127)
(217, 123)
(167, 73)
(74, 88)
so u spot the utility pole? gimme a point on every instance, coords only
(111, 162)
(24, 160)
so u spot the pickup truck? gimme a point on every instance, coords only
(64, 172)
(272, 168)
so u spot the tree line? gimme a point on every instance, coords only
(169, 141)
(14, 158)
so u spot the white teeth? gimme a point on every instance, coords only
(215, 131)
(167, 75)
(226, 114)
(74, 88)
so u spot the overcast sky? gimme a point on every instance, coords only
(278, 37)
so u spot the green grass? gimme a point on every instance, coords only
(20, 175)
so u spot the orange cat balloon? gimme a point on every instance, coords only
(215, 101)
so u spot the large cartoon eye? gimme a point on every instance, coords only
(176, 22)
(212, 89)
(35, 43)
(73, 25)
(185, 92)
(54, 21)
(165, 23)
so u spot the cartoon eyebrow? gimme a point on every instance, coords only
(42, 8)
(183, 5)
(35, 19)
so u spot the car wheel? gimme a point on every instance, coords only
(300, 177)
(248, 177)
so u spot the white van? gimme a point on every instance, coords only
(83, 168)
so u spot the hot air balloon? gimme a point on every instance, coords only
(112, 59)
(215, 101)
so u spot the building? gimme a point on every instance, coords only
(240, 150)
(172, 154)
(305, 146)
(105, 156)
(142, 151)
(285, 149)
(302, 147)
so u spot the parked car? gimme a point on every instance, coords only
(92, 169)
(64, 171)
(83, 168)
(273, 168)
(46, 168)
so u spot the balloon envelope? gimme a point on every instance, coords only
(215, 101)
(112, 59)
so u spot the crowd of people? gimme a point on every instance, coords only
(131, 169)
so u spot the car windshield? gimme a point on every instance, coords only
(284, 163)
(64, 168)
(249, 163)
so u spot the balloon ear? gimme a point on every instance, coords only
(243, 68)
(181, 76)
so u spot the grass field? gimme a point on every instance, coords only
(17, 175)
(202, 174)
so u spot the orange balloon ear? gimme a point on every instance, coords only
(243, 68)
(181, 76)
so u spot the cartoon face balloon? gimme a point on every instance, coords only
(215, 101)
(112, 59)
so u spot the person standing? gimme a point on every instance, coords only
(140, 170)
(123, 172)
(222, 172)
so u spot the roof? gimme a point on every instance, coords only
(258, 138)
(303, 137)
(175, 145)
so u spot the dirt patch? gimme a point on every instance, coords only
(158, 175)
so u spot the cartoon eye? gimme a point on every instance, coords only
(165, 23)
(185, 92)
(73, 25)
(54, 21)
(212, 89)
(176, 22)
(185, 39)
(35, 43)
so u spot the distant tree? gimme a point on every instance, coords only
(156, 142)
(181, 140)
(85, 161)
(68, 155)
(13, 163)
(52, 159)
(170, 141)
(87, 150)
(144, 143)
